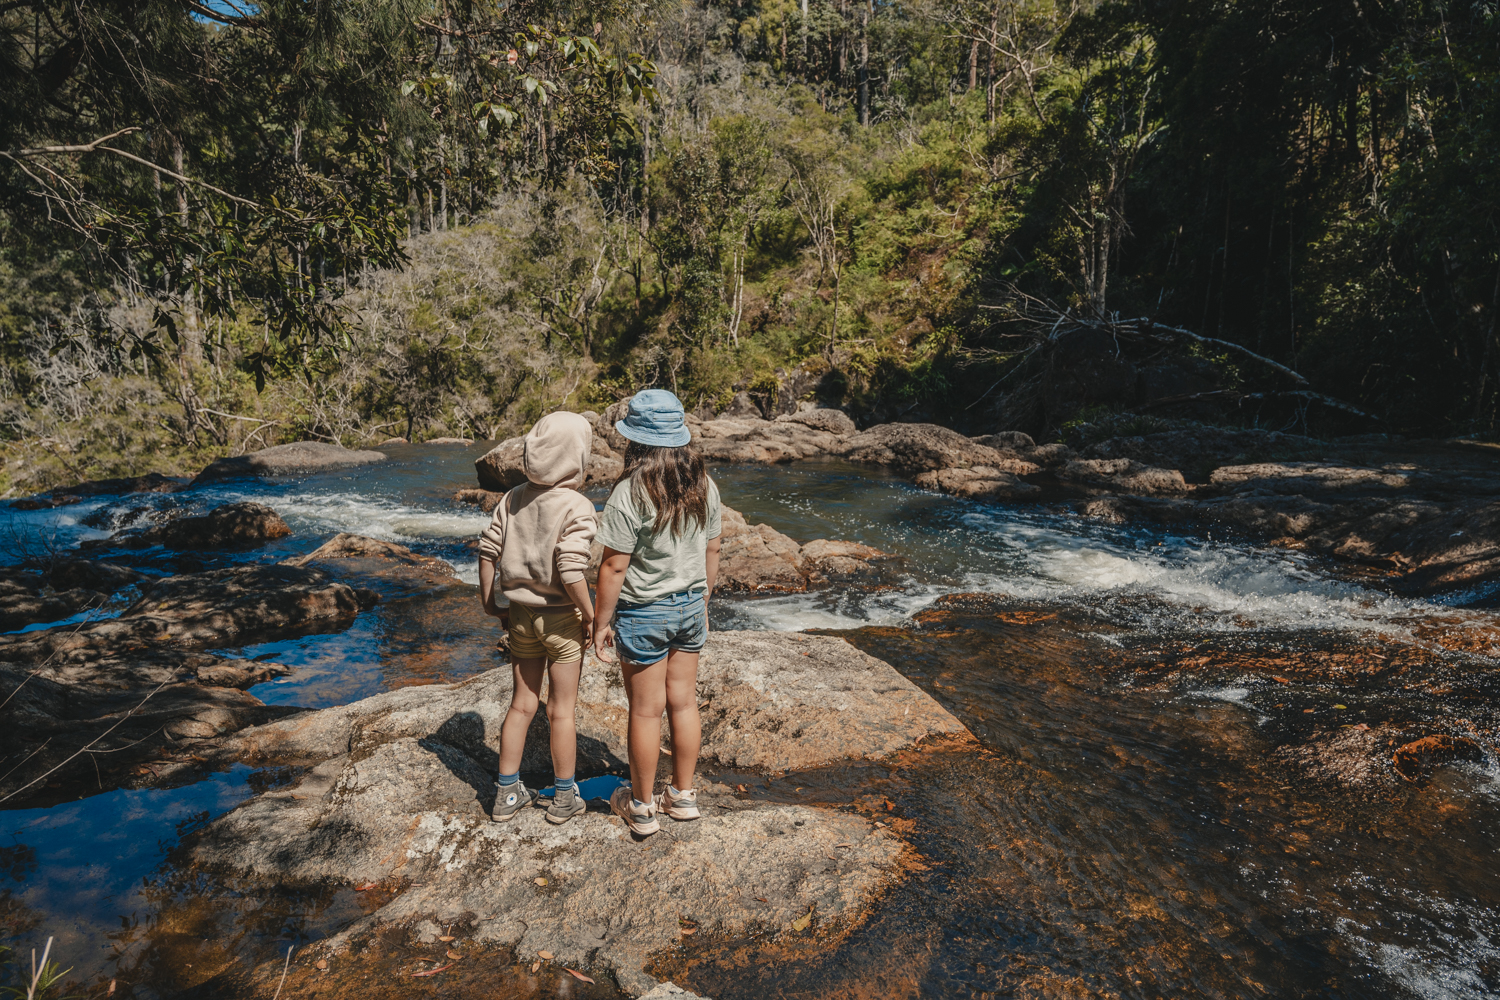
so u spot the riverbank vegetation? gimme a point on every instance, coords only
(438, 219)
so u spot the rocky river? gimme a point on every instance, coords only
(982, 718)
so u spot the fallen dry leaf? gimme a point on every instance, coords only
(741, 788)
(580, 976)
(540, 881)
(322, 964)
(433, 971)
(801, 923)
(843, 845)
(1280, 679)
(760, 899)
(536, 965)
(446, 938)
(688, 931)
(367, 885)
(454, 955)
(544, 954)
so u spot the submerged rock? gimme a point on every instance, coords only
(143, 680)
(232, 526)
(399, 786)
(296, 459)
(68, 586)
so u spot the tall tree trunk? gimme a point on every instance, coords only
(974, 64)
(864, 61)
(182, 201)
(989, 69)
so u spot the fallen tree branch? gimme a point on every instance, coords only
(1228, 344)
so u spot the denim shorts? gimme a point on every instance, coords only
(644, 633)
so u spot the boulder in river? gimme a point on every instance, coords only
(398, 787)
(503, 466)
(232, 526)
(299, 458)
(757, 557)
(912, 449)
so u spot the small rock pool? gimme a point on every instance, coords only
(1167, 800)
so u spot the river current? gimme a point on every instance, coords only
(1111, 838)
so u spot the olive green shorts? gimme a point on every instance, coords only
(554, 633)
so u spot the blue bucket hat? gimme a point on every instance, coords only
(655, 418)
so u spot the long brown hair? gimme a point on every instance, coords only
(673, 480)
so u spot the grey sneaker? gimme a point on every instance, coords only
(682, 805)
(566, 803)
(643, 823)
(510, 800)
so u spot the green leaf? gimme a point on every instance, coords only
(530, 84)
(407, 86)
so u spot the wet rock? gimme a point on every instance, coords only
(1418, 758)
(399, 785)
(912, 449)
(670, 991)
(449, 440)
(821, 419)
(751, 439)
(299, 458)
(44, 502)
(1348, 759)
(1308, 477)
(981, 482)
(198, 611)
(388, 568)
(89, 574)
(485, 500)
(232, 526)
(67, 587)
(1126, 475)
(1198, 449)
(146, 674)
(394, 440)
(1016, 441)
(26, 599)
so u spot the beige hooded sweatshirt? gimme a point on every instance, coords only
(539, 535)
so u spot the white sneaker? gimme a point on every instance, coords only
(641, 820)
(679, 805)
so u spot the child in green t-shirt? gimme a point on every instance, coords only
(660, 531)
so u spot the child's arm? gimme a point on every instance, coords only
(578, 592)
(487, 589)
(711, 564)
(606, 596)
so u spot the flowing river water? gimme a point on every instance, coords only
(1130, 824)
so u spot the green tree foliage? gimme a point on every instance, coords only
(835, 197)
(223, 155)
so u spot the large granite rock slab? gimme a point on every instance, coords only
(398, 787)
(299, 458)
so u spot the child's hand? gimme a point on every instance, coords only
(604, 638)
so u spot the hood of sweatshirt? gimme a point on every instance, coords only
(557, 450)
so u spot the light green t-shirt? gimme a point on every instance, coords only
(660, 564)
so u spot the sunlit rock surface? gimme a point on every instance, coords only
(399, 786)
(296, 459)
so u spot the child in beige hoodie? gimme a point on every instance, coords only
(534, 553)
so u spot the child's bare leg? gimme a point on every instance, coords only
(562, 700)
(682, 712)
(527, 674)
(646, 687)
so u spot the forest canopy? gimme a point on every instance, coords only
(222, 226)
